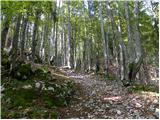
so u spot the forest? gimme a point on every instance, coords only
(80, 59)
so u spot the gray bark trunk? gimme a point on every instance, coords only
(34, 35)
(4, 33)
(15, 43)
(103, 40)
(23, 36)
(69, 37)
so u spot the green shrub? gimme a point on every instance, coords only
(54, 115)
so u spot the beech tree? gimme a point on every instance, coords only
(117, 39)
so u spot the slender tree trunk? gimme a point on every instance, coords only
(104, 40)
(56, 36)
(46, 42)
(130, 41)
(34, 35)
(5, 32)
(15, 43)
(69, 37)
(23, 36)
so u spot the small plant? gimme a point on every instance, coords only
(54, 115)
(140, 88)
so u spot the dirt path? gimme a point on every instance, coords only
(106, 99)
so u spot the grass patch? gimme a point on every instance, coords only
(144, 88)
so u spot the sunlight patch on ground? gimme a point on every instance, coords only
(151, 93)
(75, 76)
(60, 75)
(113, 98)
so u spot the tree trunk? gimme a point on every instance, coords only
(130, 41)
(15, 43)
(69, 37)
(4, 33)
(135, 66)
(104, 40)
(23, 36)
(34, 35)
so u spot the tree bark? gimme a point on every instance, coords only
(104, 40)
(34, 35)
(23, 36)
(69, 37)
(15, 42)
(5, 32)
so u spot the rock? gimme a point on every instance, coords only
(125, 103)
(51, 88)
(155, 101)
(110, 102)
(24, 77)
(138, 105)
(2, 89)
(156, 113)
(105, 116)
(37, 85)
(118, 112)
(22, 71)
(136, 113)
(151, 108)
(107, 106)
(27, 87)
(82, 118)
(100, 110)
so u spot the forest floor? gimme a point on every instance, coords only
(100, 99)
(93, 97)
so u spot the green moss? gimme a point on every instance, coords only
(147, 88)
(21, 97)
(54, 115)
(131, 65)
(43, 74)
(46, 115)
(51, 100)
(36, 114)
(14, 114)
(22, 71)
(6, 63)
(4, 112)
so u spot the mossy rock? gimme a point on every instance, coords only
(22, 71)
(6, 63)
(21, 97)
(43, 74)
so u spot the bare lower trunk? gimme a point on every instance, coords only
(23, 37)
(35, 35)
(104, 40)
(15, 43)
(4, 33)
